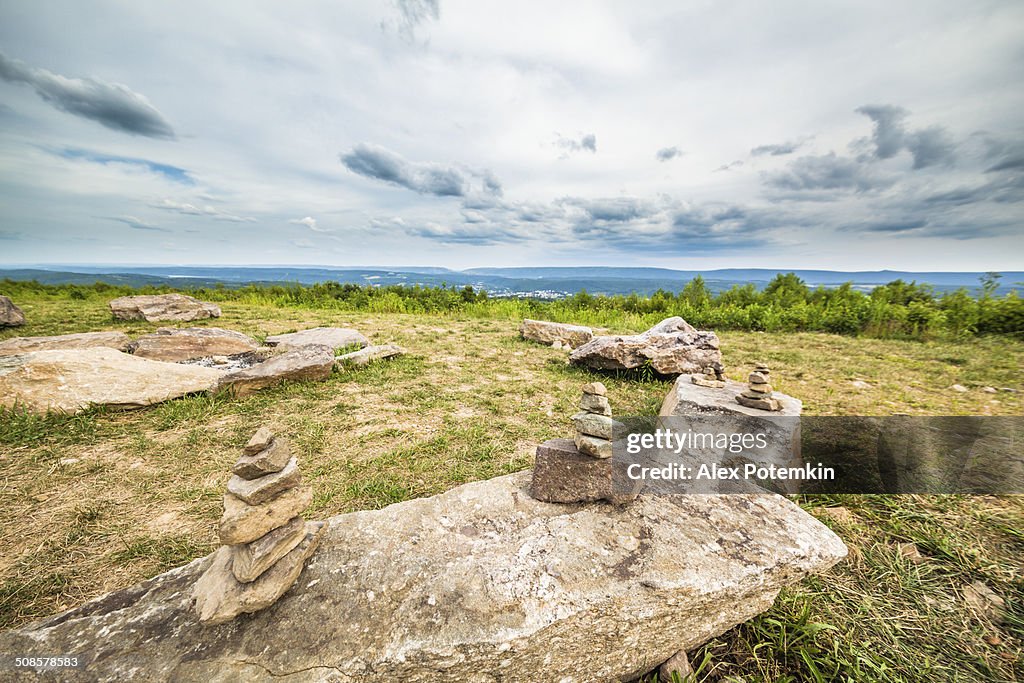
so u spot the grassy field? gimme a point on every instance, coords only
(99, 501)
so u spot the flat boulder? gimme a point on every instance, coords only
(162, 307)
(303, 363)
(334, 337)
(671, 347)
(176, 344)
(481, 583)
(369, 354)
(63, 342)
(71, 380)
(549, 333)
(10, 315)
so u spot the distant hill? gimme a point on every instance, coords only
(545, 283)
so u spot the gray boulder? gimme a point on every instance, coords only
(334, 337)
(162, 307)
(10, 315)
(82, 340)
(549, 333)
(302, 363)
(175, 344)
(672, 347)
(481, 583)
(71, 380)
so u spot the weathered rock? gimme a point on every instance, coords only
(593, 446)
(303, 363)
(762, 403)
(705, 381)
(757, 378)
(591, 424)
(595, 389)
(334, 337)
(260, 440)
(959, 388)
(272, 458)
(677, 668)
(479, 582)
(262, 489)
(984, 601)
(249, 560)
(173, 344)
(10, 315)
(66, 342)
(219, 597)
(162, 307)
(686, 398)
(244, 523)
(549, 333)
(561, 474)
(671, 347)
(70, 381)
(595, 404)
(369, 354)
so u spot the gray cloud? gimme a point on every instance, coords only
(894, 226)
(111, 104)
(378, 163)
(928, 146)
(413, 13)
(776, 150)
(189, 209)
(827, 172)
(610, 210)
(1009, 163)
(668, 153)
(138, 223)
(586, 143)
(729, 166)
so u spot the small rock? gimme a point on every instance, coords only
(911, 553)
(244, 523)
(369, 354)
(757, 389)
(593, 425)
(593, 446)
(984, 601)
(561, 474)
(256, 491)
(759, 403)
(837, 514)
(989, 390)
(704, 381)
(860, 384)
(260, 440)
(557, 345)
(757, 378)
(595, 389)
(249, 560)
(271, 459)
(959, 388)
(10, 315)
(678, 664)
(595, 404)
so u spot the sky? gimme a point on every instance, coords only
(692, 135)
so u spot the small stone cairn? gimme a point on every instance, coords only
(266, 541)
(580, 470)
(713, 377)
(758, 393)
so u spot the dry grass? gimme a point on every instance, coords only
(100, 501)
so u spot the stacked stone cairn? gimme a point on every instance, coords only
(580, 470)
(713, 377)
(758, 393)
(266, 541)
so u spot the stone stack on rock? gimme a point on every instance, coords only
(713, 377)
(581, 470)
(759, 391)
(266, 541)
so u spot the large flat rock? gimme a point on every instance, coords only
(482, 583)
(70, 381)
(177, 344)
(549, 333)
(671, 347)
(685, 398)
(82, 340)
(162, 307)
(303, 363)
(334, 337)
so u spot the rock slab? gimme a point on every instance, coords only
(549, 333)
(174, 344)
(65, 342)
(369, 354)
(162, 307)
(10, 315)
(301, 363)
(671, 347)
(334, 337)
(481, 583)
(70, 381)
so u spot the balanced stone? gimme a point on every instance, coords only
(243, 523)
(592, 403)
(249, 560)
(591, 424)
(594, 446)
(595, 389)
(757, 378)
(260, 440)
(561, 474)
(759, 403)
(760, 388)
(256, 491)
(271, 459)
(219, 597)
